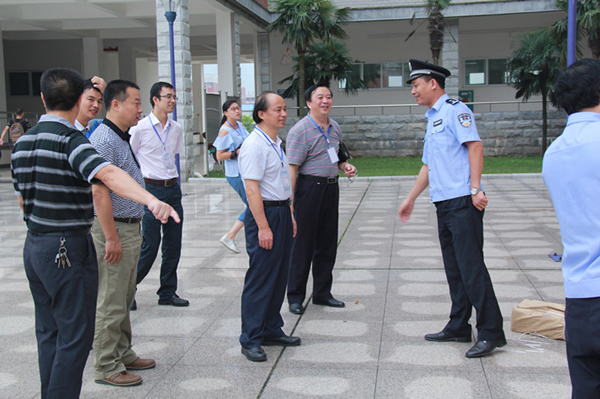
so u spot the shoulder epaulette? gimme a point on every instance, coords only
(452, 101)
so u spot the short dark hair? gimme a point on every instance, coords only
(578, 86)
(261, 104)
(89, 85)
(309, 92)
(440, 81)
(226, 106)
(156, 89)
(117, 90)
(62, 88)
(19, 111)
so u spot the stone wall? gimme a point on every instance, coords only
(502, 133)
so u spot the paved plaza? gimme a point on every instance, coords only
(389, 274)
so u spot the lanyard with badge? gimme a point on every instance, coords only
(333, 156)
(240, 132)
(285, 173)
(167, 158)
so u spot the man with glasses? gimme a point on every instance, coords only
(155, 141)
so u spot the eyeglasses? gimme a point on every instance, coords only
(170, 97)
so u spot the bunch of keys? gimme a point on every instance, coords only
(61, 256)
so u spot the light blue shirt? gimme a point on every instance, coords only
(231, 142)
(450, 124)
(571, 171)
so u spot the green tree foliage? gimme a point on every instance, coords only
(534, 68)
(305, 22)
(324, 62)
(435, 27)
(588, 23)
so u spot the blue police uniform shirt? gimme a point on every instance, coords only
(450, 124)
(571, 171)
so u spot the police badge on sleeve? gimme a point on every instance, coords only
(465, 120)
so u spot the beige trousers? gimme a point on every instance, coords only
(116, 292)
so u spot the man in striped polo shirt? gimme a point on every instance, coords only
(312, 149)
(53, 166)
(118, 239)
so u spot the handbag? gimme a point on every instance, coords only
(343, 153)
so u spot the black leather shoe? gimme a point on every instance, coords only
(256, 354)
(174, 301)
(296, 308)
(133, 305)
(334, 303)
(282, 341)
(446, 336)
(483, 348)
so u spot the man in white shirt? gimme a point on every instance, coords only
(269, 228)
(91, 103)
(155, 141)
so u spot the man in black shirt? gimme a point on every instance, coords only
(13, 127)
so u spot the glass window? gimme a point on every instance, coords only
(35, 83)
(372, 75)
(497, 71)
(19, 83)
(392, 74)
(475, 72)
(356, 70)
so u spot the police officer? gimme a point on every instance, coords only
(453, 161)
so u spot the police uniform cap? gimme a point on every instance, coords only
(422, 68)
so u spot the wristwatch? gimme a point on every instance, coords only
(475, 190)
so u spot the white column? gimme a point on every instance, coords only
(183, 74)
(261, 64)
(92, 51)
(450, 58)
(3, 104)
(228, 54)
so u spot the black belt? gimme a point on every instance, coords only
(286, 202)
(128, 220)
(164, 183)
(328, 180)
(67, 233)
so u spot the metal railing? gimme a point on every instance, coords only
(409, 109)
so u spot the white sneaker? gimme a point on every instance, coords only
(229, 243)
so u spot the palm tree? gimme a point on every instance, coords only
(304, 22)
(588, 22)
(534, 68)
(435, 27)
(323, 62)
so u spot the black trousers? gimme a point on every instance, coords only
(264, 285)
(460, 229)
(316, 212)
(65, 310)
(582, 333)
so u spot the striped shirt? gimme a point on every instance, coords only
(306, 146)
(113, 145)
(52, 168)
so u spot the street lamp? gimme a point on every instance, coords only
(171, 15)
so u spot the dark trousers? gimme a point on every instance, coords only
(65, 310)
(460, 228)
(316, 212)
(264, 286)
(582, 333)
(171, 241)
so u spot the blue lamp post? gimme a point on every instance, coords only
(572, 32)
(171, 15)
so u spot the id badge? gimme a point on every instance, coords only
(285, 179)
(333, 156)
(168, 160)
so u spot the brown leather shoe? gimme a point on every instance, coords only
(141, 364)
(122, 379)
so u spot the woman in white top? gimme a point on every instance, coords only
(228, 144)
